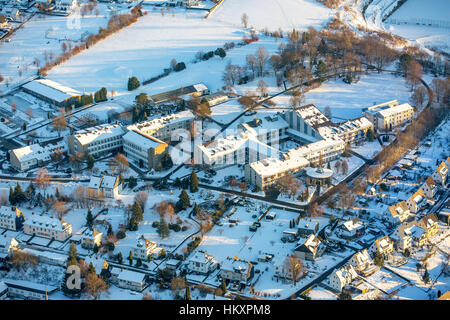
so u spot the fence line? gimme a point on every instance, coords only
(421, 21)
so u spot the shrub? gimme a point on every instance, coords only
(155, 224)
(133, 83)
(179, 67)
(184, 228)
(121, 234)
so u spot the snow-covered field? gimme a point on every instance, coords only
(45, 33)
(424, 22)
(274, 14)
(145, 48)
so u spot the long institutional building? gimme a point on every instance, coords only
(256, 144)
(389, 115)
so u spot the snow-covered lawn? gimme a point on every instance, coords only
(353, 163)
(274, 14)
(386, 281)
(367, 149)
(45, 33)
(320, 293)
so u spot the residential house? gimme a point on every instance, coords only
(35, 155)
(310, 249)
(430, 224)
(11, 218)
(397, 213)
(342, 277)
(383, 246)
(307, 227)
(416, 201)
(110, 186)
(440, 174)
(8, 244)
(94, 186)
(143, 249)
(410, 235)
(202, 262)
(284, 268)
(47, 227)
(131, 280)
(91, 238)
(363, 263)
(429, 187)
(234, 269)
(350, 229)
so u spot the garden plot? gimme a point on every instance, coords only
(320, 293)
(284, 14)
(386, 281)
(45, 33)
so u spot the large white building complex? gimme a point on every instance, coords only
(97, 141)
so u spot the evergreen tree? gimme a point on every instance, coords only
(163, 253)
(321, 71)
(137, 212)
(370, 135)
(120, 257)
(163, 228)
(73, 255)
(133, 83)
(194, 182)
(91, 268)
(12, 201)
(196, 210)
(426, 276)
(57, 195)
(132, 182)
(183, 202)
(130, 258)
(90, 162)
(95, 248)
(110, 230)
(89, 219)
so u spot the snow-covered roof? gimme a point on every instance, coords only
(9, 212)
(312, 243)
(352, 224)
(399, 209)
(99, 132)
(235, 265)
(416, 231)
(108, 182)
(264, 125)
(395, 110)
(29, 286)
(142, 140)
(271, 166)
(362, 257)
(153, 125)
(44, 221)
(46, 254)
(201, 257)
(312, 115)
(307, 224)
(127, 275)
(90, 233)
(95, 182)
(417, 196)
(51, 89)
(38, 152)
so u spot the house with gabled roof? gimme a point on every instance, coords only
(440, 174)
(235, 269)
(430, 224)
(383, 246)
(310, 249)
(342, 277)
(202, 262)
(110, 186)
(350, 229)
(363, 263)
(306, 227)
(90, 238)
(143, 248)
(416, 201)
(429, 187)
(397, 213)
(11, 218)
